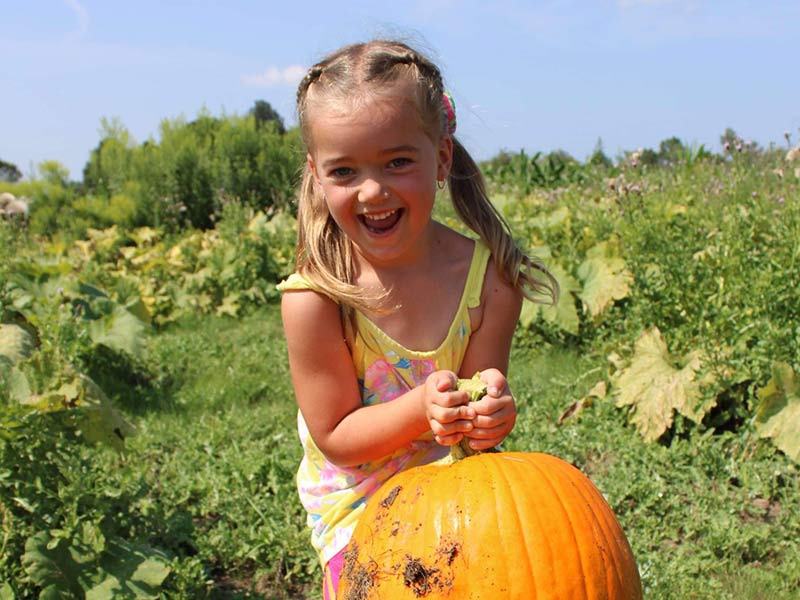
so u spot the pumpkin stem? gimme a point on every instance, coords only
(476, 389)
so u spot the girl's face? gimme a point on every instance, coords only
(378, 170)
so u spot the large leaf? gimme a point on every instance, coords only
(70, 566)
(655, 389)
(118, 329)
(605, 278)
(56, 565)
(95, 416)
(131, 571)
(563, 314)
(778, 412)
(16, 344)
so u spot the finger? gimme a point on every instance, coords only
(486, 422)
(489, 433)
(440, 427)
(449, 440)
(446, 381)
(489, 405)
(495, 382)
(452, 399)
(484, 444)
(446, 414)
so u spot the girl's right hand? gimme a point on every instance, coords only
(446, 409)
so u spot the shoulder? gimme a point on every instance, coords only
(307, 308)
(498, 294)
(497, 303)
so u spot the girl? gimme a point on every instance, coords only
(387, 307)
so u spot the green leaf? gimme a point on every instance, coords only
(605, 278)
(60, 565)
(16, 344)
(119, 330)
(655, 389)
(98, 420)
(564, 313)
(18, 386)
(6, 593)
(778, 412)
(131, 571)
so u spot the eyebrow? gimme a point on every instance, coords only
(393, 150)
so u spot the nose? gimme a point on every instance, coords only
(371, 190)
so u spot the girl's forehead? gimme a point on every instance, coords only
(376, 116)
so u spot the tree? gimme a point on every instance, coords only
(599, 157)
(9, 172)
(671, 150)
(263, 113)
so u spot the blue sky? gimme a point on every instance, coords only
(538, 75)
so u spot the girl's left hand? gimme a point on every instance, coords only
(495, 413)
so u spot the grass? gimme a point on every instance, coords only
(710, 510)
(707, 515)
(215, 460)
(212, 468)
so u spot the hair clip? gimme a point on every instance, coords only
(449, 113)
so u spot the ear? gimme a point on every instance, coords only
(312, 166)
(444, 157)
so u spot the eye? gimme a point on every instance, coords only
(400, 162)
(341, 172)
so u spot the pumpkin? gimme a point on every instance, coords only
(494, 526)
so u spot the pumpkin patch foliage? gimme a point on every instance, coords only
(147, 442)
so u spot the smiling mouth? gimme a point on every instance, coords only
(382, 222)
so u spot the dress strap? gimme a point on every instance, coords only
(294, 282)
(477, 272)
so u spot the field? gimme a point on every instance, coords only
(666, 373)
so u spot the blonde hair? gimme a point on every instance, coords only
(324, 254)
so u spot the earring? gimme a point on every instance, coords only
(440, 184)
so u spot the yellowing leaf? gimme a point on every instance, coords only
(598, 391)
(230, 305)
(655, 389)
(605, 278)
(16, 344)
(560, 218)
(144, 235)
(778, 412)
(564, 314)
(676, 209)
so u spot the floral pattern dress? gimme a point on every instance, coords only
(334, 496)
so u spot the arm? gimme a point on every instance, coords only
(329, 397)
(488, 352)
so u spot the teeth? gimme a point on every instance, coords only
(380, 216)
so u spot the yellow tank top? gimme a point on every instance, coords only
(334, 496)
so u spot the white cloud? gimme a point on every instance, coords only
(273, 76)
(83, 19)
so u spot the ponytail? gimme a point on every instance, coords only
(472, 204)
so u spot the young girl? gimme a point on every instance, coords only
(388, 307)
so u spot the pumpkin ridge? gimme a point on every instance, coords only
(561, 504)
(521, 527)
(600, 534)
(620, 551)
(609, 530)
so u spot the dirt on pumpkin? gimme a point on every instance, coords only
(422, 579)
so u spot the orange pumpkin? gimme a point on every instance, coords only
(495, 526)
